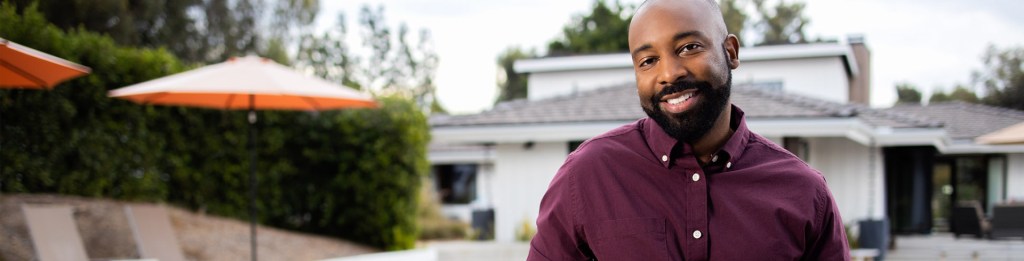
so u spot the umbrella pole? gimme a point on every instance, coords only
(252, 174)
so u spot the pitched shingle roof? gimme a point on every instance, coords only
(964, 120)
(621, 104)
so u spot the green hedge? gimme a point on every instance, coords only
(351, 174)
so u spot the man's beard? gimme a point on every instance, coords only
(691, 125)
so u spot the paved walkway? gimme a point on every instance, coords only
(942, 246)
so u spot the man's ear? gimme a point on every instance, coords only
(732, 49)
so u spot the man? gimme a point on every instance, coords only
(690, 182)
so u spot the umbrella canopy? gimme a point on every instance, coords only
(228, 85)
(1009, 135)
(26, 68)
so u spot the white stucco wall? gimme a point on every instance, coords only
(859, 191)
(1015, 176)
(823, 77)
(521, 178)
(549, 84)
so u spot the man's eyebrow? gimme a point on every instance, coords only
(683, 35)
(641, 48)
(677, 37)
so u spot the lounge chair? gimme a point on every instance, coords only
(1008, 220)
(153, 233)
(969, 219)
(54, 234)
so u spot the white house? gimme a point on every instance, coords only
(807, 98)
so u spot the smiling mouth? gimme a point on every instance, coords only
(680, 99)
(677, 98)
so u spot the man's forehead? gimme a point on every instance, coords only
(703, 15)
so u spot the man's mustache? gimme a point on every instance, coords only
(679, 86)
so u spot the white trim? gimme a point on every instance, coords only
(973, 148)
(474, 155)
(521, 133)
(808, 127)
(574, 63)
(909, 136)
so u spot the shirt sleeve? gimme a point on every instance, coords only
(830, 242)
(558, 236)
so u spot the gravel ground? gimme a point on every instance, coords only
(106, 233)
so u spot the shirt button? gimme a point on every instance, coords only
(664, 157)
(728, 165)
(714, 158)
(696, 177)
(696, 234)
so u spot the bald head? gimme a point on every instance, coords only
(707, 10)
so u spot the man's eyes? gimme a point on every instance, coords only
(688, 48)
(646, 62)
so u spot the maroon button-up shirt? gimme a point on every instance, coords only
(635, 193)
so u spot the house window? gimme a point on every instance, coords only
(798, 146)
(573, 145)
(456, 183)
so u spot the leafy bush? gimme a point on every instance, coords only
(351, 173)
(432, 223)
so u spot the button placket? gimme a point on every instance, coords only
(697, 214)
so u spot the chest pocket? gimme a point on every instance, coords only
(628, 239)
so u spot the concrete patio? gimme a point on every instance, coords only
(943, 246)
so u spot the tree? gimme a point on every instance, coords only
(221, 28)
(512, 85)
(604, 30)
(330, 57)
(1002, 78)
(782, 24)
(734, 16)
(907, 93)
(399, 64)
(960, 93)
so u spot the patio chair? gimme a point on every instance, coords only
(969, 219)
(1008, 220)
(54, 234)
(153, 233)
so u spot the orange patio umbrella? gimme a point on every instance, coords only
(247, 83)
(26, 68)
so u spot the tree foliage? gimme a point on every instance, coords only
(1002, 78)
(352, 173)
(907, 93)
(960, 93)
(604, 30)
(512, 85)
(781, 24)
(397, 63)
(734, 15)
(196, 31)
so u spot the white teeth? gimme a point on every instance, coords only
(681, 99)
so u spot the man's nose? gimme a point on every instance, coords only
(672, 70)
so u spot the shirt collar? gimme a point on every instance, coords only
(661, 144)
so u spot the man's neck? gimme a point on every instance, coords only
(716, 136)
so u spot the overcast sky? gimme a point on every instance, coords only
(930, 43)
